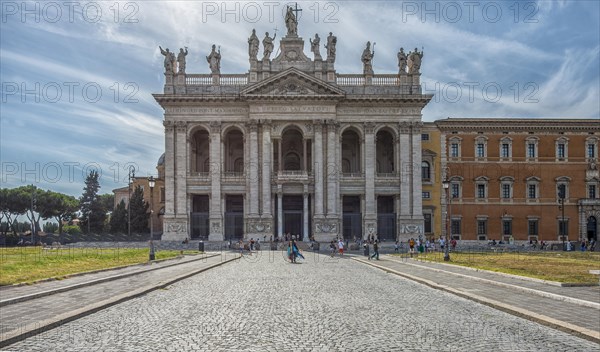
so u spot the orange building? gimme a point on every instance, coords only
(510, 177)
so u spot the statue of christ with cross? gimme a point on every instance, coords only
(291, 20)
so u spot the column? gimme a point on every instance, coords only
(416, 185)
(180, 169)
(279, 213)
(318, 167)
(305, 214)
(332, 167)
(215, 214)
(370, 172)
(305, 156)
(406, 167)
(279, 158)
(169, 168)
(267, 153)
(252, 126)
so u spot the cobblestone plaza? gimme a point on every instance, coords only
(262, 303)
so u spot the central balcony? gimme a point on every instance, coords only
(292, 176)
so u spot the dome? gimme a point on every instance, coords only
(161, 160)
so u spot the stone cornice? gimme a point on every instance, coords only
(513, 124)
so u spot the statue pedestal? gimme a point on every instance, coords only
(292, 49)
(169, 83)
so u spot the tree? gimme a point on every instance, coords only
(30, 198)
(118, 219)
(12, 204)
(139, 211)
(61, 207)
(92, 212)
(107, 201)
(50, 227)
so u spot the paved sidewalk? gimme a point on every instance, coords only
(561, 307)
(29, 317)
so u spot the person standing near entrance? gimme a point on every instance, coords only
(341, 247)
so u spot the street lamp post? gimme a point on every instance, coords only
(446, 185)
(151, 184)
(561, 201)
(130, 176)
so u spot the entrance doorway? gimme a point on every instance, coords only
(386, 218)
(292, 215)
(352, 217)
(199, 218)
(592, 229)
(234, 217)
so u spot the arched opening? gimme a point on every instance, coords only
(385, 152)
(350, 152)
(234, 151)
(592, 229)
(293, 150)
(200, 152)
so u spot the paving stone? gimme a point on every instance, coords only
(262, 303)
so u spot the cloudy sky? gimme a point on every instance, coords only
(77, 77)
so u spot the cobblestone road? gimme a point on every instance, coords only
(262, 303)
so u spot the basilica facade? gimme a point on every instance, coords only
(292, 146)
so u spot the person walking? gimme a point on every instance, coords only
(396, 247)
(366, 249)
(375, 251)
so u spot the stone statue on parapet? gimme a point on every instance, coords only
(253, 44)
(214, 60)
(314, 46)
(268, 45)
(181, 59)
(367, 59)
(291, 22)
(330, 46)
(414, 61)
(170, 62)
(401, 62)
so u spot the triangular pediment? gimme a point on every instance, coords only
(293, 83)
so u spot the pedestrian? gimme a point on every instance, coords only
(366, 249)
(251, 244)
(583, 245)
(332, 248)
(453, 244)
(241, 244)
(396, 248)
(411, 246)
(341, 247)
(375, 251)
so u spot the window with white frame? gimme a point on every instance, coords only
(506, 187)
(481, 147)
(591, 191)
(455, 190)
(533, 187)
(532, 227)
(591, 149)
(506, 148)
(480, 150)
(507, 227)
(562, 148)
(455, 147)
(563, 228)
(481, 185)
(481, 228)
(455, 227)
(426, 195)
(531, 145)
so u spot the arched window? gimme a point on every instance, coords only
(425, 171)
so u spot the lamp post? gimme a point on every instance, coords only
(130, 176)
(151, 183)
(446, 185)
(561, 201)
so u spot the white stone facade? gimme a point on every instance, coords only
(292, 147)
